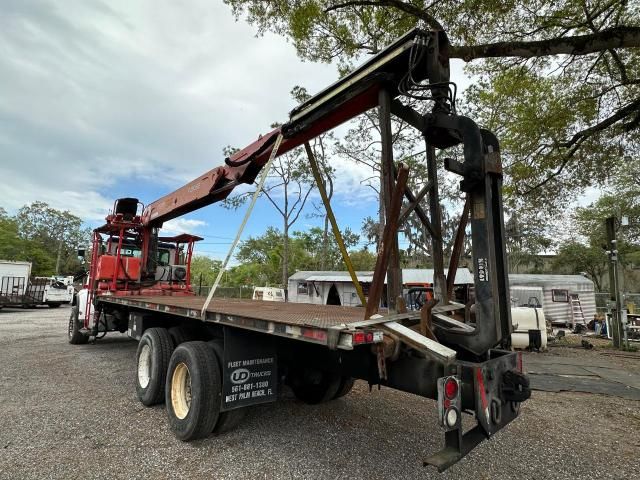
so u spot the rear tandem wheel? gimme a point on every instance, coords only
(152, 361)
(193, 391)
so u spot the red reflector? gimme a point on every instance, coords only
(370, 337)
(358, 337)
(451, 388)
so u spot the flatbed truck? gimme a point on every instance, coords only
(210, 360)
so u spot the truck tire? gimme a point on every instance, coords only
(76, 337)
(346, 384)
(314, 386)
(181, 335)
(152, 361)
(193, 391)
(229, 419)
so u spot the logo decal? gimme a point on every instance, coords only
(239, 375)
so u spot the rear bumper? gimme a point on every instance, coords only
(493, 391)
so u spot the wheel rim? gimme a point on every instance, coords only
(144, 366)
(181, 391)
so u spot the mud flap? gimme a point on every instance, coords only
(249, 370)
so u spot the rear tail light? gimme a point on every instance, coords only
(362, 337)
(451, 388)
(449, 402)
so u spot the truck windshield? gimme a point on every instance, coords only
(163, 257)
(131, 252)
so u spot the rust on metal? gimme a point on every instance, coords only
(299, 314)
(425, 319)
(387, 187)
(456, 251)
(401, 304)
(390, 229)
(414, 201)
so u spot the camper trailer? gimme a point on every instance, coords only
(565, 299)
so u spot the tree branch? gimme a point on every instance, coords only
(574, 142)
(397, 4)
(617, 37)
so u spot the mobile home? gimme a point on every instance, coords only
(564, 298)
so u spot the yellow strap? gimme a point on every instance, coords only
(334, 224)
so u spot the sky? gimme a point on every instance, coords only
(101, 100)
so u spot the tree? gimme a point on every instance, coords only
(559, 81)
(577, 258)
(585, 251)
(44, 236)
(58, 232)
(324, 256)
(267, 253)
(204, 269)
(363, 259)
(287, 188)
(320, 147)
(362, 145)
(526, 239)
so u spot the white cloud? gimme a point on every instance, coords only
(100, 98)
(182, 225)
(96, 94)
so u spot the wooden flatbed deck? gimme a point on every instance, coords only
(322, 324)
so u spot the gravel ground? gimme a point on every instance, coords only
(571, 346)
(71, 412)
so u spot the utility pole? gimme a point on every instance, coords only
(614, 284)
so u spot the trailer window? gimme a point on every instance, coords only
(560, 295)
(303, 288)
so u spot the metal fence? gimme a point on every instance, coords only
(225, 292)
(630, 300)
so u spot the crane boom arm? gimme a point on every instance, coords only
(417, 56)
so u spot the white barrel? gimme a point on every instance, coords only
(525, 319)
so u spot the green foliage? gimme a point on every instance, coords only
(204, 269)
(526, 238)
(261, 257)
(363, 260)
(565, 121)
(43, 236)
(576, 258)
(586, 252)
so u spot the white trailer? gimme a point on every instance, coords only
(14, 282)
(17, 289)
